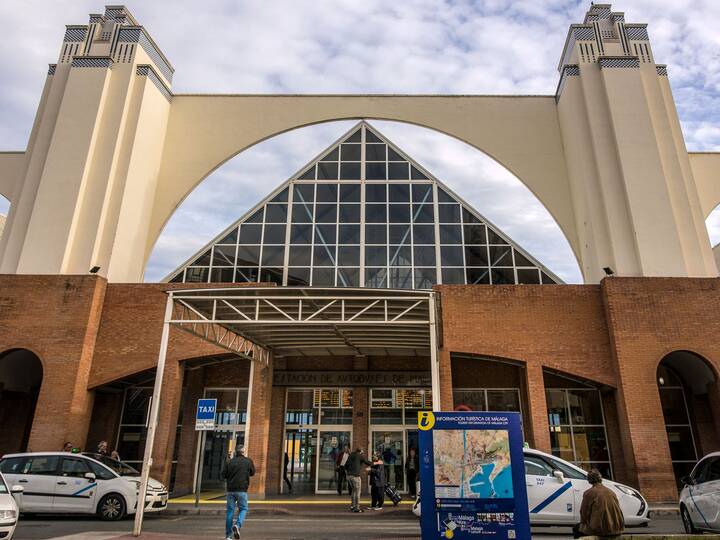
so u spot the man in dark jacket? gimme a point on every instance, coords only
(353, 466)
(236, 472)
(600, 513)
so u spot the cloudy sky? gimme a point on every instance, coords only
(374, 46)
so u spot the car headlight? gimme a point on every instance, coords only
(626, 490)
(7, 515)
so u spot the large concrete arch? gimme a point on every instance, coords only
(113, 151)
(521, 133)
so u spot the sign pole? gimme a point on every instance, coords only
(204, 422)
(198, 482)
(154, 412)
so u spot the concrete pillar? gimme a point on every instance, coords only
(538, 407)
(257, 437)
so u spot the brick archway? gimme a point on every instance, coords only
(21, 375)
(690, 398)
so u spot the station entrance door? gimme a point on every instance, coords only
(318, 425)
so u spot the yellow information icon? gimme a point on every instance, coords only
(426, 420)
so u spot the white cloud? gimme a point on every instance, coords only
(416, 46)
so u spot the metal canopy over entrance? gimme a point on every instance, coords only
(260, 322)
(310, 321)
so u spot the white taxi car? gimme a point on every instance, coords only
(8, 509)
(700, 496)
(555, 489)
(73, 483)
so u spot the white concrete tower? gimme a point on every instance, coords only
(636, 203)
(93, 153)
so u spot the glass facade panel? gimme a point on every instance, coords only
(577, 427)
(362, 192)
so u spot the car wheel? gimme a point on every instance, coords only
(111, 507)
(687, 522)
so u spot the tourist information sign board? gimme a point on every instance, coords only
(205, 415)
(472, 476)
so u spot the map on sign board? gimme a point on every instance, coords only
(472, 464)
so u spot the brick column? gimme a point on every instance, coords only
(276, 441)
(361, 424)
(194, 384)
(613, 433)
(714, 412)
(446, 382)
(167, 421)
(64, 404)
(256, 439)
(537, 404)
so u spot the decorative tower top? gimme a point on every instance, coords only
(115, 37)
(604, 34)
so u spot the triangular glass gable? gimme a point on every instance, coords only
(363, 214)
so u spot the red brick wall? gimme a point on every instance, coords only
(88, 333)
(647, 319)
(55, 317)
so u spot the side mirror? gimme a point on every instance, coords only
(90, 476)
(17, 489)
(559, 475)
(687, 481)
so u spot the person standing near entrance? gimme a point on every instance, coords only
(286, 462)
(377, 483)
(353, 466)
(411, 469)
(340, 463)
(236, 472)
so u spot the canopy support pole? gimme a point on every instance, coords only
(434, 359)
(154, 412)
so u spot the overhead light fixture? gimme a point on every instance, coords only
(94, 269)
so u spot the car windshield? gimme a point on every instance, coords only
(3, 486)
(123, 469)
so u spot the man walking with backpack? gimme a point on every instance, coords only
(236, 472)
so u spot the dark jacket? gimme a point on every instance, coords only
(237, 473)
(354, 463)
(377, 475)
(600, 513)
(412, 460)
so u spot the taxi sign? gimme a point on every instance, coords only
(205, 415)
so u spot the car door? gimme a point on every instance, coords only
(37, 477)
(74, 493)
(550, 499)
(579, 482)
(705, 495)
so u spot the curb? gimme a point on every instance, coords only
(664, 511)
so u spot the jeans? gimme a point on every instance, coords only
(239, 499)
(355, 484)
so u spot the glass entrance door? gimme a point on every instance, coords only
(390, 446)
(299, 471)
(330, 446)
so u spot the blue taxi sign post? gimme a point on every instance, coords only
(205, 415)
(472, 476)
